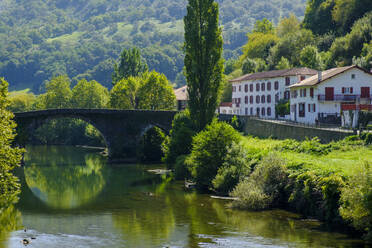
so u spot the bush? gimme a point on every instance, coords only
(356, 200)
(151, 145)
(180, 168)
(250, 196)
(180, 138)
(282, 108)
(310, 146)
(265, 187)
(209, 150)
(234, 169)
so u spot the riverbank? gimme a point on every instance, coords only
(330, 182)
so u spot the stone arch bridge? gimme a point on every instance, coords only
(121, 129)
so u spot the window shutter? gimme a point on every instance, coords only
(351, 90)
(343, 90)
(309, 108)
(304, 92)
(311, 92)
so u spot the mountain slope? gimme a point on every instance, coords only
(80, 38)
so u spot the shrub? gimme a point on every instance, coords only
(265, 187)
(180, 168)
(310, 146)
(250, 196)
(151, 145)
(234, 169)
(356, 200)
(209, 149)
(282, 108)
(180, 138)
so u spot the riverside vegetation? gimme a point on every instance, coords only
(331, 182)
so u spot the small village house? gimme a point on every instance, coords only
(334, 96)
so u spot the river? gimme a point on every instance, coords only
(72, 198)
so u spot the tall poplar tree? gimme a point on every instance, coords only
(203, 59)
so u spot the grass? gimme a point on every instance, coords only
(337, 161)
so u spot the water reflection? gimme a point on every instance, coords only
(72, 198)
(66, 181)
(10, 220)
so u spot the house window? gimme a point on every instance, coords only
(277, 98)
(251, 111)
(257, 87)
(268, 86)
(246, 99)
(246, 88)
(234, 88)
(263, 87)
(251, 88)
(276, 85)
(352, 76)
(287, 81)
(301, 109)
(258, 111)
(257, 99)
(311, 108)
(268, 111)
(287, 94)
(312, 92)
(251, 99)
(347, 90)
(240, 88)
(263, 99)
(246, 111)
(263, 111)
(302, 77)
(365, 92)
(302, 92)
(268, 98)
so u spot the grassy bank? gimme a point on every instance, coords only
(331, 182)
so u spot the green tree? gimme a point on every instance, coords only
(180, 138)
(203, 59)
(22, 101)
(288, 25)
(151, 145)
(10, 156)
(249, 66)
(89, 95)
(124, 94)
(283, 64)
(258, 45)
(130, 64)
(209, 150)
(156, 92)
(346, 12)
(318, 16)
(264, 26)
(58, 93)
(309, 57)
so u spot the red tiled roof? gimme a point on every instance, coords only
(226, 104)
(276, 73)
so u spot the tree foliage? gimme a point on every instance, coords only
(10, 156)
(89, 95)
(209, 150)
(203, 59)
(130, 65)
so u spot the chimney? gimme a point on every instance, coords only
(319, 76)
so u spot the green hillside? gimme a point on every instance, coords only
(82, 38)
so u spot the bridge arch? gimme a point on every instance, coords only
(121, 129)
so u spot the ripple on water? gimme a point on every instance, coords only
(37, 239)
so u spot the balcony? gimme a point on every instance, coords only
(367, 107)
(341, 98)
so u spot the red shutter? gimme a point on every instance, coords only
(343, 90)
(304, 92)
(351, 90)
(312, 92)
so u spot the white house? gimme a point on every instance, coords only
(334, 96)
(181, 97)
(257, 94)
(225, 108)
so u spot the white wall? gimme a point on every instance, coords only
(362, 79)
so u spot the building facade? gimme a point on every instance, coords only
(257, 94)
(334, 96)
(181, 97)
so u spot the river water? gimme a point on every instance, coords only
(72, 198)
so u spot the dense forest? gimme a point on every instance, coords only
(40, 39)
